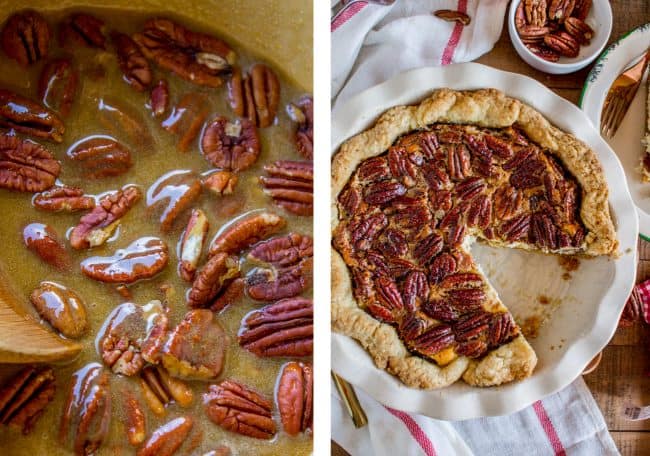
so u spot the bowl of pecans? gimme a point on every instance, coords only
(559, 36)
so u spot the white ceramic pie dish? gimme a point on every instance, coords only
(589, 304)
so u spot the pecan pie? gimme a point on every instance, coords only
(411, 195)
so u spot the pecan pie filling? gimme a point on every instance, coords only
(408, 216)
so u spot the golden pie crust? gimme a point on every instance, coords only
(484, 108)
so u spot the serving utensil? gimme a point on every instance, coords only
(340, 6)
(620, 96)
(22, 339)
(351, 401)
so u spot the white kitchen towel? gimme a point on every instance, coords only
(565, 423)
(371, 43)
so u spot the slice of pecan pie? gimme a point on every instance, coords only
(410, 196)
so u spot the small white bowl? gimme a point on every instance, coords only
(599, 19)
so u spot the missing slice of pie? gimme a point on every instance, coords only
(413, 192)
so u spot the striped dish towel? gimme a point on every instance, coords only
(371, 43)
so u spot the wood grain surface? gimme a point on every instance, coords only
(623, 376)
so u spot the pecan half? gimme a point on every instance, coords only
(196, 57)
(57, 85)
(291, 185)
(579, 30)
(285, 328)
(531, 34)
(135, 420)
(294, 396)
(243, 232)
(26, 37)
(159, 99)
(100, 156)
(191, 244)
(168, 438)
(24, 397)
(132, 335)
(283, 251)
(544, 52)
(563, 43)
(233, 146)
(160, 389)
(432, 340)
(453, 16)
(255, 95)
(28, 117)
(239, 409)
(134, 65)
(302, 113)
(61, 307)
(458, 161)
(98, 225)
(87, 413)
(175, 191)
(44, 242)
(63, 199)
(581, 9)
(212, 279)
(196, 349)
(26, 166)
(231, 292)
(125, 123)
(84, 29)
(264, 284)
(536, 13)
(186, 118)
(142, 259)
(221, 182)
(560, 9)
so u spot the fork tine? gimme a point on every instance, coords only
(620, 115)
(613, 106)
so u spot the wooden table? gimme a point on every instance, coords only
(623, 376)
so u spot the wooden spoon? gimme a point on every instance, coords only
(24, 340)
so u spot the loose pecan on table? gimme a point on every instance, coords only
(26, 37)
(160, 389)
(135, 419)
(453, 16)
(84, 29)
(191, 245)
(87, 413)
(294, 397)
(98, 225)
(196, 349)
(43, 240)
(134, 65)
(28, 117)
(61, 307)
(212, 279)
(187, 117)
(196, 57)
(285, 328)
(233, 146)
(168, 438)
(175, 192)
(24, 397)
(270, 284)
(291, 185)
(237, 408)
(63, 199)
(221, 182)
(159, 98)
(131, 335)
(245, 231)
(255, 95)
(142, 259)
(100, 156)
(302, 113)
(57, 85)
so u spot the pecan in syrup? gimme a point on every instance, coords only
(98, 225)
(302, 113)
(43, 240)
(160, 389)
(239, 409)
(283, 251)
(294, 396)
(134, 65)
(61, 307)
(100, 156)
(81, 28)
(245, 231)
(159, 98)
(135, 420)
(231, 292)
(57, 85)
(87, 413)
(285, 328)
(192, 243)
(232, 146)
(175, 192)
(168, 438)
(196, 57)
(186, 118)
(270, 284)
(212, 278)
(132, 335)
(24, 397)
(26, 37)
(221, 182)
(196, 349)
(142, 259)
(25, 116)
(255, 95)
(453, 16)
(124, 122)
(63, 199)
(291, 185)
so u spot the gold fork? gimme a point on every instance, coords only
(620, 96)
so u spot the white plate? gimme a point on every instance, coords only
(591, 302)
(627, 141)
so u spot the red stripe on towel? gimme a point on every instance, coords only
(549, 429)
(448, 53)
(415, 430)
(347, 14)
